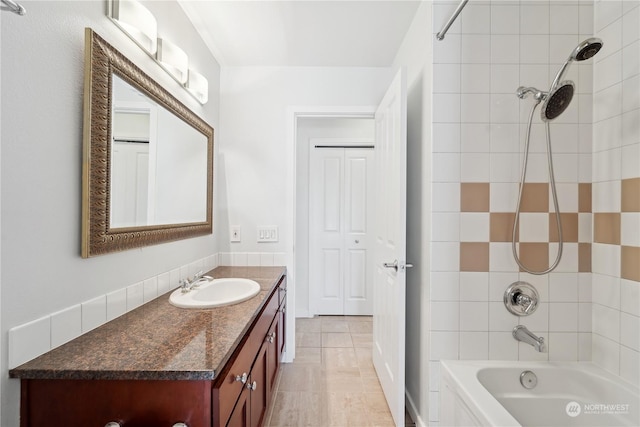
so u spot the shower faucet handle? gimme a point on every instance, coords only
(521, 298)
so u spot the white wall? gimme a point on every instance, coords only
(616, 157)
(307, 129)
(42, 87)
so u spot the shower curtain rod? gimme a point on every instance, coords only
(456, 12)
(14, 7)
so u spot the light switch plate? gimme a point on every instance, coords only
(267, 233)
(236, 234)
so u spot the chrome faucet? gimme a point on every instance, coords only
(187, 285)
(521, 333)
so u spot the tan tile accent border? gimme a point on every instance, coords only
(584, 257)
(630, 195)
(535, 197)
(584, 197)
(630, 263)
(474, 197)
(606, 228)
(569, 222)
(501, 226)
(535, 256)
(474, 256)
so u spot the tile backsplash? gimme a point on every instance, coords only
(35, 338)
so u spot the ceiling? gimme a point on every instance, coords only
(331, 33)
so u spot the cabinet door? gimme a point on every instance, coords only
(259, 382)
(241, 415)
(282, 330)
(273, 359)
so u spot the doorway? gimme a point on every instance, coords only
(340, 211)
(332, 132)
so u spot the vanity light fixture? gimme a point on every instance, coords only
(198, 86)
(138, 22)
(173, 59)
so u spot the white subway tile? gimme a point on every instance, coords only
(606, 196)
(630, 365)
(607, 134)
(585, 317)
(116, 304)
(474, 167)
(501, 257)
(29, 341)
(584, 347)
(502, 346)
(477, 19)
(474, 316)
(445, 227)
(279, 259)
(444, 316)
(605, 353)
(539, 320)
(505, 78)
(611, 35)
(150, 289)
(474, 227)
(536, 75)
(606, 322)
(630, 228)
(444, 286)
(567, 196)
(630, 156)
(448, 50)
(606, 290)
(475, 108)
(584, 168)
(585, 78)
(503, 197)
(446, 78)
(66, 325)
(631, 60)
(266, 260)
(606, 12)
(195, 267)
(584, 227)
(446, 197)
(446, 167)
(534, 18)
(445, 256)
(504, 138)
(534, 227)
(253, 259)
(474, 345)
(444, 345)
(446, 108)
(505, 49)
(630, 296)
(135, 296)
(568, 261)
(504, 108)
(631, 93)
(584, 287)
(434, 376)
(630, 331)
(563, 317)
(538, 281)
(564, 19)
(239, 259)
(606, 103)
(534, 48)
(441, 13)
(500, 320)
(475, 138)
(505, 18)
(586, 18)
(605, 259)
(434, 408)
(563, 287)
(164, 283)
(94, 313)
(475, 78)
(446, 137)
(560, 47)
(476, 49)
(474, 286)
(224, 258)
(174, 278)
(563, 346)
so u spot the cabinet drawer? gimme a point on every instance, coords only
(62, 403)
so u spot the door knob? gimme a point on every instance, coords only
(397, 266)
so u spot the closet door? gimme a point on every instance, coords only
(340, 197)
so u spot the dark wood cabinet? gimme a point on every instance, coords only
(239, 396)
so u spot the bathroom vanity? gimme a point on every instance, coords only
(161, 365)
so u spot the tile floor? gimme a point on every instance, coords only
(332, 381)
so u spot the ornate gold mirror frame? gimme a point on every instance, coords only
(102, 61)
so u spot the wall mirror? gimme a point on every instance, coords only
(147, 160)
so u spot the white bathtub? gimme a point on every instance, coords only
(489, 393)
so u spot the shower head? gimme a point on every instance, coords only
(585, 50)
(557, 101)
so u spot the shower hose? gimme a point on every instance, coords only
(552, 181)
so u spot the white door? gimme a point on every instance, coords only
(129, 183)
(390, 246)
(340, 264)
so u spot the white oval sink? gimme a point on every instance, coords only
(216, 293)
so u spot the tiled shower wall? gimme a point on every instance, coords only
(478, 137)
(616, 189)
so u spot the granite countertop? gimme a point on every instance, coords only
(158, 341)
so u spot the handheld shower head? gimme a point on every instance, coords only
(557, 101)
(585, 50)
